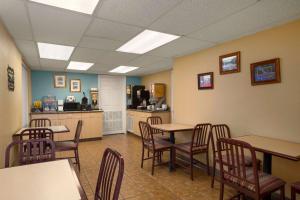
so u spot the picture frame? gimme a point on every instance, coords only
(230, 63)
(60, 80)
(10, 78)
(206, 81)
(75, 85)
(265, 72)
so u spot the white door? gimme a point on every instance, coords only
(112, 99)
(24, 96)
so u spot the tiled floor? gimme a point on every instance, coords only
(138, 183)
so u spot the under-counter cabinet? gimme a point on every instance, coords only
(92, 123)
(134, 116)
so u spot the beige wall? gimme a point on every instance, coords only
(161, 77)
(271, 110)
(11, 102)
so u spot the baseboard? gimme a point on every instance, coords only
(90, 139)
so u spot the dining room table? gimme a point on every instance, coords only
(172, 128)
(272, 147)
(53, 180)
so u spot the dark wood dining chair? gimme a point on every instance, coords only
(155, 147)
(248, 181)
(37, 133)
(295, 189)
(108, 185)
(198, 145)
(71, 145)
(157, 120)
(31, 151)
(42, 122)
(222, 131)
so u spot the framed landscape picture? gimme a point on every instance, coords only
(59, 81)
(75, 85)
(230, 63)
(206, 81)
(265, 72)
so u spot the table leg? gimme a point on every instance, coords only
(267, 168)
(172, 140)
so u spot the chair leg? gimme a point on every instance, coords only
(207, 163)
(293, 194)
(221, 191)
(192, 165)
(77, 158)
(142, 161)
(153, 162)
(213, 173)
(282, 193)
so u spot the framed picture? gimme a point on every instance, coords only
(206, 81)
(230, 63)
(75, 85)
(11, 78)
(59, 81)
(265, 72)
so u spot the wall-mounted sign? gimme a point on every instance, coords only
(11, 78)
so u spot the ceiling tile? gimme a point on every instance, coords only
(89, 55)
(99, 43)
(14, 15)
(145, 60)
(153, 68)
(27, 48)
(118, 58)
(191, 15)
(112, 30)
(262, 15)
(57, 26)
(101, 68)
(135, 12)
(49, 64)
(33, 62)
(180, 47)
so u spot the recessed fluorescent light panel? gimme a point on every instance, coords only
(54, 51)
(146, 41)
(79, 65)
(123, 69)
(83, 6)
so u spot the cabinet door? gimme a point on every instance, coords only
(92, 125)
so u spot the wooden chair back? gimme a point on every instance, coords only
(108, 185)
(37, 133)
(147, 135)
(78, 131)
(200, 136)
(233, 168)
(154, 120)
(42, 122)
(31, 151)
(219, 131)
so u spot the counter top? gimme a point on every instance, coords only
(148, 111)
(65, 112)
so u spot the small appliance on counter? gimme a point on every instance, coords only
(60, 105)
(84, 103)
(94, 98)
(71, 104)
(49, 103)
(70, 99)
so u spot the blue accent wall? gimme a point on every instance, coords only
(43, 85)
(133, 80)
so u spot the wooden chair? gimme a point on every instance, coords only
(295, 189)
(157, 120)
(246, 180)
(108, 186)
(37, 133)
(31, 151)
(71, 145)
(42, 122)
(153, 146)
(198, 145)
(222, 131)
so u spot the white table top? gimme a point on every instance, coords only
(44, 181)
(277, 147)
(55, 129)
(173, 127)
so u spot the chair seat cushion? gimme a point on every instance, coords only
(267, 182)
(162, 144)
(65, 146)
(248, 159)
(187, 147)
